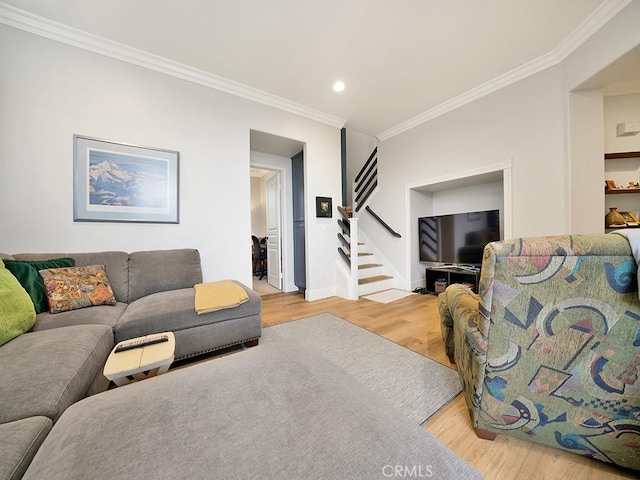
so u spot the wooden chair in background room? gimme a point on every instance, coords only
(259, 258)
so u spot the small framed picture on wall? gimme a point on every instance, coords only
(324, 207)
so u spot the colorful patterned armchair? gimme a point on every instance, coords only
(549, 349)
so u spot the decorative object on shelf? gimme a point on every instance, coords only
(614, 219)
(323, 207)
(631, 187)
(630, 219)
(627, 129)
(118, 182)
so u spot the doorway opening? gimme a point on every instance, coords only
(272, 211)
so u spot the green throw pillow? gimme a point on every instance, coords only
(27, 274)
(17, 314)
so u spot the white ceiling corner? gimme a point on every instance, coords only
(286, 54)
(587, 28)
(44, 27)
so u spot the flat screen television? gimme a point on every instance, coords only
(459, 238)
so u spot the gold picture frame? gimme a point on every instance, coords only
(630, 219)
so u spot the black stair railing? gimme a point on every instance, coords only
(367, 180)
(344, 256)
(344, 242)
(383, 223)
(366, 164)
(346, 228)
(370, 174)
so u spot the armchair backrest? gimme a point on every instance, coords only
(561, 320)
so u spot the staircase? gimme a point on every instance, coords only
(364, 273)
(371, 279)
(364, 266)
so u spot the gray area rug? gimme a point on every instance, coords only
(414, 384)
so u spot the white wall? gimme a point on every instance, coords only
(587, 128)
(487, 196)
(522, 124)
(526, 123)
(258, 208)
(359, 148)
(620, 109)
(584, 191)
(50, 91)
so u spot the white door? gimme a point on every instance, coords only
(274, 232)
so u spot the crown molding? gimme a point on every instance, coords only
(575, 39)
(589, 26)
(469, 96)
(20, 19)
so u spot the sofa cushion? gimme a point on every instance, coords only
(115, 263)
(72, 288)
(19, 442)
(98, 315)
(162, 270)
(26, 272)
(175, 310)
(42, 373)
(17, 313)
(275, 411)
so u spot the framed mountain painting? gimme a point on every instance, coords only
(119, 182)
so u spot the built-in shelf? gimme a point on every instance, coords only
(611, 156)
(615, 164)
(451, 275)
(611, 229)
(616, 191)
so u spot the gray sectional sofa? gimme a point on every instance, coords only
(154, 291)
(279, 410)
(60, 360)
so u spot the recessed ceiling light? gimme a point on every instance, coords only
(338, 86)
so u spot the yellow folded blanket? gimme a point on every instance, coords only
(214, 296)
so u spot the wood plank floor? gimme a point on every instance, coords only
(414, 323)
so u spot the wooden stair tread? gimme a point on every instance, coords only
(360, 254)
(377, 278)
(369, 265)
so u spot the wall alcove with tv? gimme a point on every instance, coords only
(483, 189)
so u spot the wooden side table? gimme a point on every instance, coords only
(142, 362)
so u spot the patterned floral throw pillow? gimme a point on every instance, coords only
(71, 288)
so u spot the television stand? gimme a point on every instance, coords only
(451, 274)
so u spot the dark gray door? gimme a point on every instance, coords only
(299, 268)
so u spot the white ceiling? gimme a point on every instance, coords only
(398, 58)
